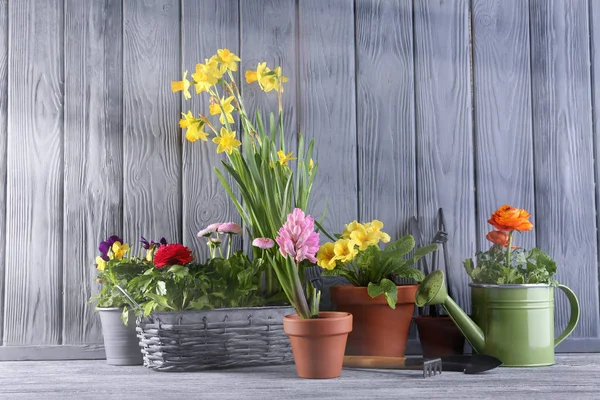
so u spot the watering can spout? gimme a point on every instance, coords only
(433, 291)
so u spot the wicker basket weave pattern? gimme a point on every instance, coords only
(222, 338)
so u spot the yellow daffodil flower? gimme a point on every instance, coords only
(273, 80)
(227, 59)
(345, 250)
(184, 85)
(226, 141)
(326, 256)
(311, 164)
(194, 127)
(284, 158)
(224, 108)
(206, 75)
(256, 76)
(119, 250)
(101, 264)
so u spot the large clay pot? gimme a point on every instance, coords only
(439, 336)
(121, 344)
(318, 343)
(378, 329)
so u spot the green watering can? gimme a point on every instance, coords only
(514, 323)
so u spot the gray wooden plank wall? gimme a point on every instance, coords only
(414, 104)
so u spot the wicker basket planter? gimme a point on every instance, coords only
(222, 338)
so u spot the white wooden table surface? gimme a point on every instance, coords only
(575, 376)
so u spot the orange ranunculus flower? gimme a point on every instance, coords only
(508, 218)
(499, 238)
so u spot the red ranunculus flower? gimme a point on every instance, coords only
(172, 254)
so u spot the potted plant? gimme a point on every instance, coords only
(115, 269)
(512, 297)
(318, 338)
(381, 309)
(204, 315)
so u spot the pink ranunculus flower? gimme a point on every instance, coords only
(263, 243)
(231, 228)
(297, 237)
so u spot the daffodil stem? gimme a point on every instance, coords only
(509, 248)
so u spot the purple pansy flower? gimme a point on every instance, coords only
(106, 245)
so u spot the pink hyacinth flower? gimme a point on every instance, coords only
(231, 228)
(297, 237)
(263, 243)
(209, 230)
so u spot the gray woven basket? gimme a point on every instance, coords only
(222, 338)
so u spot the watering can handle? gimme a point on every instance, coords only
(574, 314)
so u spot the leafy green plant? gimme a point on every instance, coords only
(218, 283)
(533, 266)
(358, 257)
(505, 263)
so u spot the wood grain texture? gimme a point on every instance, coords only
(3, 139)
(385, 113)
(206, 27)
(33, 309)
(327, 110)
(563, 144)
(152, 145)
(93, 154)
(444, 130)
(573, 377)
(268, 34)
(502, 98)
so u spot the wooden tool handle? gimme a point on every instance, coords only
(375, 362)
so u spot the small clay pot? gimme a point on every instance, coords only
(378, 329)
(439, 336)
(318, 343)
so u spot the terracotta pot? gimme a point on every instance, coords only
(318, 344)
(378, 329)
(439, 336)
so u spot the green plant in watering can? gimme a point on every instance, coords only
(512, 297)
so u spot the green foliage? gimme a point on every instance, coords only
(218, 283)
(385, 287)
(117, 272)
(532, 266)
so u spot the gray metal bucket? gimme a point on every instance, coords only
(120, 342)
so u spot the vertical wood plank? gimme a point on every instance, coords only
(268, 34)
(33, 310)
(502, 97)
(3, 138)
(206, 27)
(563, 144)
(385, 113)
(93, 154)
(152, 144)
(444, 130)
(327, 109)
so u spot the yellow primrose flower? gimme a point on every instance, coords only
(194, 127)
(119, 250)
(226, 141)
(256, 76)
(326, 256)
(224, 108)
(284, 158)
(272, 80)
(351, 227)
(184, 85)
(227, 59)
(364, 237)
(345, 250)
(101, 264)
(206, 75)
(376, 226)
